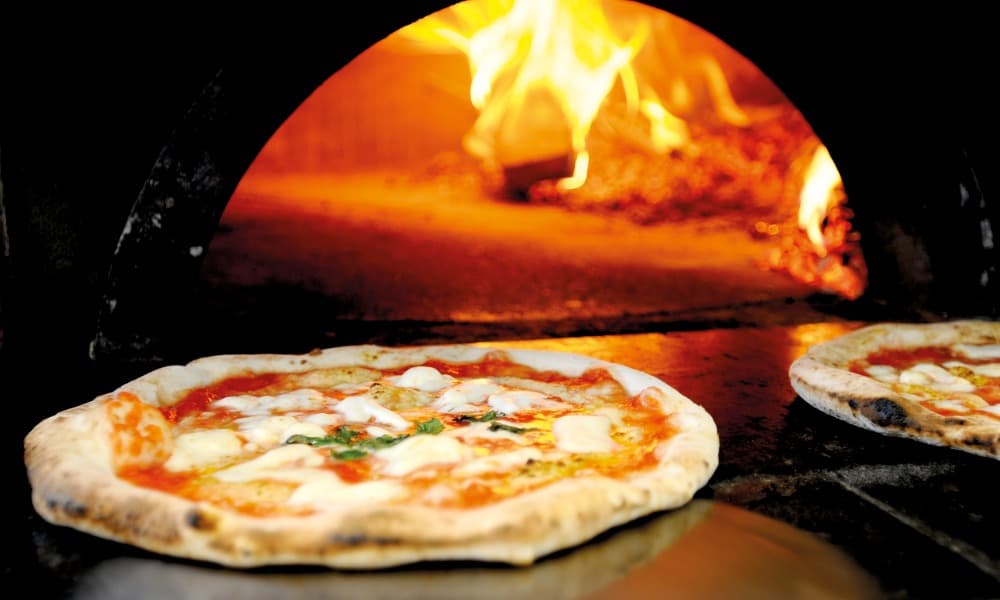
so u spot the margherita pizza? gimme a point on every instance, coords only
(368, 456)
(934, 382)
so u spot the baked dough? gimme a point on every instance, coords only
(933, 382)
(90, 466)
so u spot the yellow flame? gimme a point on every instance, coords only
(818, 196)
(541, 70)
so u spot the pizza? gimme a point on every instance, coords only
(937, 382)
(366, 456)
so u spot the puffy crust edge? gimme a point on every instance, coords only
(821, 378)
(73, 483)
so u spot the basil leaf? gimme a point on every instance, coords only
(328, 440)
(352, 454)
(510, 428)
(357, 449)
(345, 435)
(490, 416)
(382, 441)
(432, 427)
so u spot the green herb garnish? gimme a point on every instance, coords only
(358, 449)
(433, 427)
(343, 436)
(352, 454)
(490, 416)
(382, 441)
(510, 428)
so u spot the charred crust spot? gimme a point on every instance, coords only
(355, 539)
(381, 541)
(200, 521)
(886, 413)
(68, 507)
(853, 404)
(975, 440)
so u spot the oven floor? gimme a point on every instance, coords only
(802, 505)
(397, 247)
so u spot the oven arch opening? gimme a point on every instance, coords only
(227, 125)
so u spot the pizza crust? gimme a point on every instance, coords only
(70, 466)
(821, 378)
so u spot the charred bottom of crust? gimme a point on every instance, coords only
(985, 442)
(358, 539)
(200, 521)
(887, 413)
(69, 508)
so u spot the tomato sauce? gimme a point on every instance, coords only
(196, 401)
(905, 358)
(636, 452)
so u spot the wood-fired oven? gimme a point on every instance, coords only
(194, 186)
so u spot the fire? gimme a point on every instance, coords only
(545, 74)
(818, 196)
(829, 255)
(541, 71)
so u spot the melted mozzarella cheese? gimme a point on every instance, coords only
(201, 449)
(453, 401)
(477, 390)
(950, 405)
(421, 450)
(979, 351)
(992, 409)
(437, 494)
(475, 431)
(262, 405)
(498, 463)
(935, 377)
(426, 379)
(267, 432)
(464, 397)
(294, 462)
(883, 373)
(614, 414)
(583, 433)
(322, 419)
(511, 401)
(326, 490)
(987, 370)
(361, 409)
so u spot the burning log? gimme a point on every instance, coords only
(534, 141)
(519, 178)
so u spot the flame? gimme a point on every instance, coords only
(818, 196)
(541, 70)
(544, 72)
(828, 256)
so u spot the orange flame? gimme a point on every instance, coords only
(541, 70)
(818, 196)
(828, 255)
